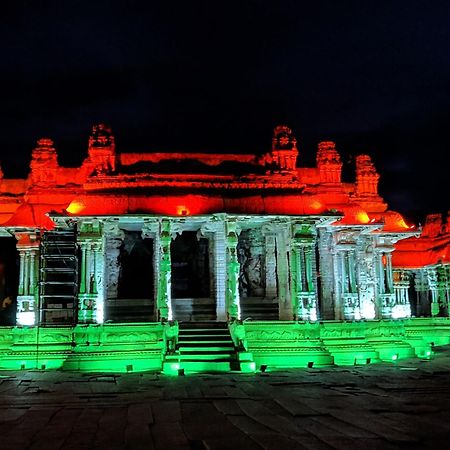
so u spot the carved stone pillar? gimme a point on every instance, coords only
(91, 296)
(271, 265)
(28, 293)
(327, 274)
(163, 268)
(303, 293)
(113, 241)
(282, 234)
(432, 276)
(402, 307)
(386, 295)
(347, 291)
(365, 277)
(421, 286)
(215, 231)
(233, 270)
(443, 290)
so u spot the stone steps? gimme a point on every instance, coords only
(205, 347)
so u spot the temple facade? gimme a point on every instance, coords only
(174, 239)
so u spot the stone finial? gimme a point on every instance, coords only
(101, 137)
(44, 162)
(329, 162)
(102, 149)
(366, 177)
(283, 139)
(284, 149)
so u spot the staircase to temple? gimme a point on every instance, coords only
(207, 347)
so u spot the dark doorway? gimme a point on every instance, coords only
(191, 278)
(190, 266)
(136, 266)
(135, 299)
(9, 280)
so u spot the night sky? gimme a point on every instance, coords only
(218, 76)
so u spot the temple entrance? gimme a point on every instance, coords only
(135, 290)
(192, 297)
(257, 283)
(9, 280)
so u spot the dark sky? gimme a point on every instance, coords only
(218, 76)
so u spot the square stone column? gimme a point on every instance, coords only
(113, 241)
(282, 236)
(402, 307)
(28, 293)
(214, 230)
(270, 262)
(91, 295)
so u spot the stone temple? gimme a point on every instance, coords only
(213, 262)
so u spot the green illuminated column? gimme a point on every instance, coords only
(303, 293)
(164, 294)
(233, 269)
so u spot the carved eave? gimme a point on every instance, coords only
(6, 232)
(193, 181)
(395, 236)
(61, 221)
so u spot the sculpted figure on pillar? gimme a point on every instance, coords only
(251, 250)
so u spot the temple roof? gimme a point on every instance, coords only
(111, 183)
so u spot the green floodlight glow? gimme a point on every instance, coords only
(429, 353)
(395, 357)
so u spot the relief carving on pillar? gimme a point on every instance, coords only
(113, 240)
(251, 251)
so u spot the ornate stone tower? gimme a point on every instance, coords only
(44, 163)
(284, 149)
(366, 187)
(366, 177)
(102, 149)
(329, 162)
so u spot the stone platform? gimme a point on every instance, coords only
(402, 404)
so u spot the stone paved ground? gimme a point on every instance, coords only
(398, 405)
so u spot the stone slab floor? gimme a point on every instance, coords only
(405, 404)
